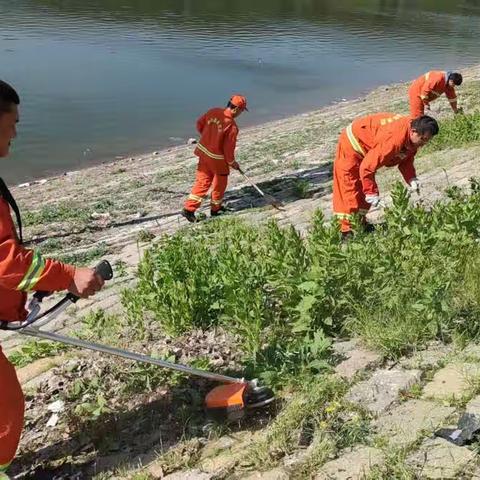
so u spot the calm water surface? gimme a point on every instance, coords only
(105, 78)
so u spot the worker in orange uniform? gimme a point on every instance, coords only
(216, 156)
(23, 270)
(366, 145)
(429, 87)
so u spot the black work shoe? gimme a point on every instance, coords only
(369, 228)
(190, 216)
(221, 211)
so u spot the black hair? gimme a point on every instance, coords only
(456, 78)
(8, 97)
(425, 124)
(231, 105)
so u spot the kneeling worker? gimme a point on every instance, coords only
(216, 155)
(367, 144)
(23, 270)
(429, 87)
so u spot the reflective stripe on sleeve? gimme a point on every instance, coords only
(33, 274)
(353, 141)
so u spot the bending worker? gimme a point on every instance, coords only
(21, 271)
(216, 156)
(367, 144)
(429, 87)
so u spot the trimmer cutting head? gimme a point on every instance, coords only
(229, 402)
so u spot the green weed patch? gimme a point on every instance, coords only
(414, 280)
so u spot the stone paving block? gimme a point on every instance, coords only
(429, 358)
(439, 459)
(275, 474)
(354, 465)
(382, 389)
(355, 358)
(403, 424)
(188, 475)
(451, 381)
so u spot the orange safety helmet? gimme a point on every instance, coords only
(239, 101)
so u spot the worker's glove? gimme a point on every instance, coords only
(415, 186)
(234, 165)
(373, 200)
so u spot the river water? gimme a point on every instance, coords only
(101, 79)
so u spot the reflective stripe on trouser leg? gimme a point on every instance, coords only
(219, 186)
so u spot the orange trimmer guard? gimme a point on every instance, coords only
(226, 402)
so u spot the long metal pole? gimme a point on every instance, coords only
(136, 357)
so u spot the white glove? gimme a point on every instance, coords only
(415, 185)
(373, 200)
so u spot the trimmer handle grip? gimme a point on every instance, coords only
(103, 269)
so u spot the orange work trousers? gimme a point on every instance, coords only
(210, 173)
(417, 107)
(348, 196)
(12, 407)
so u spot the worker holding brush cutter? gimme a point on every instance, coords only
(216, 156)
(366, 145)
(21, 271)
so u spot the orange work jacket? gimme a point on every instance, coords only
(23, 270)
(218, 135)
(382, 140)
(431, 86)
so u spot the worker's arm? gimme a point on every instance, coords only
(25, 270)
(201, 123)
(452, 98)
(373, 160)
(407, 169)
(229, 144)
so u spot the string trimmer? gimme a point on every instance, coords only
(225, 402)
(271, 200)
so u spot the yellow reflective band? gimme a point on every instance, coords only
(343, 216)
(209, 153)
(363, 211)
(34, 273)
(423, 97)
(427, 76)
(195, 198)
(354, 142)
(452, 100)
(384, 121)
(216, 202)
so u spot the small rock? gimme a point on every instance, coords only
(57, 406)
(24, 185)
(192, 141)
(53, 420)
(156, 153)
(99, 216)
